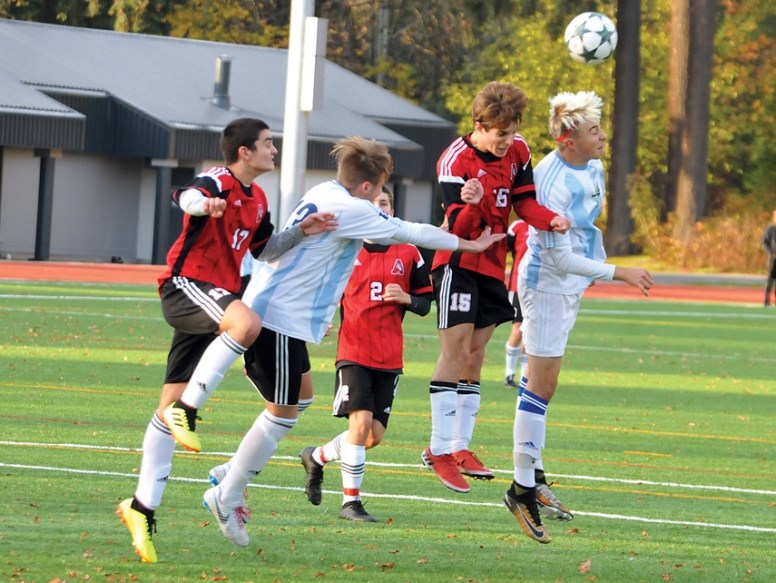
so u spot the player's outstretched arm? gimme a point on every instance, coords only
(485, 240)
(319, 222)
(635, 276)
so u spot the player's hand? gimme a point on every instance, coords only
(394, 293)
(560, 224)
(635, 276)
(214, 207)
(315, 223)
(485, 240)
(472, 191)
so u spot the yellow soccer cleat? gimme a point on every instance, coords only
(525, 510)
(140, 528)
(182, 422)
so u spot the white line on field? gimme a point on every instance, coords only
(424, 499)
(79, 298)
(656, 313)
(58, 312)
(409, 466)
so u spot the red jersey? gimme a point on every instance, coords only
(508, 184)
(211, 250)
(371, 331)
(517, 242)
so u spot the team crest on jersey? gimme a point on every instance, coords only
(260, 213)
(238, 202)
(514, 170)
(398, 267)
(481, 173)
(597, 192)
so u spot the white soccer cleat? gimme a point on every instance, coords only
(230, 520)
(216, 475)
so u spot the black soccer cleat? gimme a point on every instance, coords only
(354, 510)
(312, 487)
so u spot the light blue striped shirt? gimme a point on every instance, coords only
(576, 192)
(298, 293)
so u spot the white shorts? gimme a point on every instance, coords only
(547, 320)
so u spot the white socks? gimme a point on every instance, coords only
(255, 450)
(331, 451)
(468, 405)
(528, 434)
(353, 461)
(158, 449)
(444, 399)
(215, 361)
(512, 353)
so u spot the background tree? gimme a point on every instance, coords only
(411, 48)
(693, 128)
(679, 53)
(259, 22)
(625, 134)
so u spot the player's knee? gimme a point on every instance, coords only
(453, 355)
(246, 328)
(253, 327)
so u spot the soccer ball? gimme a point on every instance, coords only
(591, 38)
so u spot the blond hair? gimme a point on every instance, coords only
(360, 160)
(569, 111)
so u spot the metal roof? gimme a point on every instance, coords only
(157, 94)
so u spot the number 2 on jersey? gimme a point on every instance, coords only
(376, 291)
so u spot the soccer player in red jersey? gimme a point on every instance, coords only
(388, 280)
(226, 215)
(483, 176)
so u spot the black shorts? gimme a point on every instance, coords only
(467, 297)
(274, 364)
(518, 317)
(194, 309)
(357, 388)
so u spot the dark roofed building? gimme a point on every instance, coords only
(97, 126)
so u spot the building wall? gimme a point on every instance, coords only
(146, 209)
(94, 215)
(96, 207)
(418, 200)
(18, 203)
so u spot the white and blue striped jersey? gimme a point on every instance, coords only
(298, 293)
(576, 192)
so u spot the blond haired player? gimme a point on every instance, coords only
(554, 273)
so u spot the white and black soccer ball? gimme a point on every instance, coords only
(591, 38)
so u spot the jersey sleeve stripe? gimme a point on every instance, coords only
(448, 158)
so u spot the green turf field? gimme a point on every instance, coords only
(661, 438)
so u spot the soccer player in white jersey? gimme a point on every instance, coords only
(554, 273)
(296, 297)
